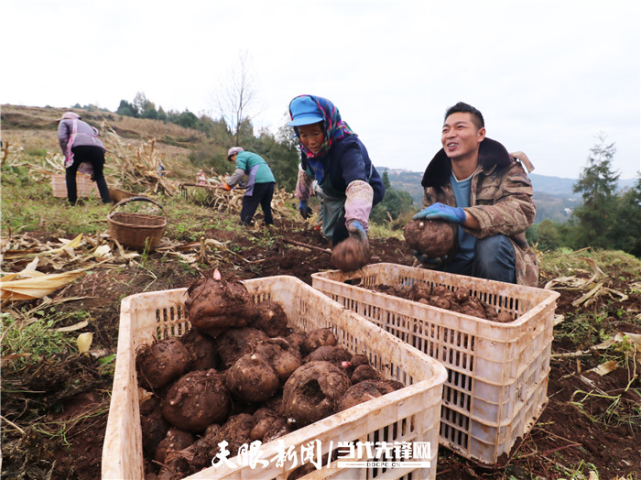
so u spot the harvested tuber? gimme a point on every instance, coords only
(264, 418)
(279, 427)
(252, 379)
(270, 317)
(154, 427)
(283, 359)
(318, 338)
(364, 391)
(333, 354)
(215, 305)
(237, 342)
(362, 373)
(196, 400)
(202, 350)
(160, 363)
(313, 392)
(350, 254)
(503, 317)
(175, 440)
(296, 340)
(434, 238)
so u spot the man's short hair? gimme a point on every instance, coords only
(461, 107)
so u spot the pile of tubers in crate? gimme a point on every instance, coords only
(240, 375)
(456, 300)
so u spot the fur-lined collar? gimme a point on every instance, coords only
(491, 154)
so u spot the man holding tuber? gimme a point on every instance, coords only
(474, 183)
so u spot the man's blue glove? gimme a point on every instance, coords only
(440, 211)
(429, 261)
(357, 231)
(304, 210)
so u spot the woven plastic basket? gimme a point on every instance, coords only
(134, 229)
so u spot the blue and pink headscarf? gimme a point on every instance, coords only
(335, 127)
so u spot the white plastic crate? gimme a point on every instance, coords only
(497, 372)
(410, 414)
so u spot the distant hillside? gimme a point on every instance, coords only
(35, 128)
(553, 196)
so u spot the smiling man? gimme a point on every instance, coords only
(474, 182)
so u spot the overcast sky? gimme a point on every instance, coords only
(547, 75)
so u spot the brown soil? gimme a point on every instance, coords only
(74, 391)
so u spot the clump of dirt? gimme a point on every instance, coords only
(434, 238)
(350, 255)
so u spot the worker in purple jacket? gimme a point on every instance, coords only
(80, 144)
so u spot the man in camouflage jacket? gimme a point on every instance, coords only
(473, 181)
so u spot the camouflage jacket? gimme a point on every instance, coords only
(500, 199)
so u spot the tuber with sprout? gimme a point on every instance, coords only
(215, 305)
(257, 376)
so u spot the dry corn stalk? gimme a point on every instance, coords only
(136, 168)
(222, 200)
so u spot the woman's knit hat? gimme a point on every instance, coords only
(68, 115)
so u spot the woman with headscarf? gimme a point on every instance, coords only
(80, 144)
(333, 155)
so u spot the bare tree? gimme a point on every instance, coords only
(235, 95)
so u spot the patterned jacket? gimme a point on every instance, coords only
(500, 199)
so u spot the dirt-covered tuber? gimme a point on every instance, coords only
(350, 254)
(160, 363)
(313, 392)
(434, 238)
(196, 400)
(215, 305)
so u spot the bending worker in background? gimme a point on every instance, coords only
(474, 182)
(80, 144)
(260, 184)
(333, 155)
